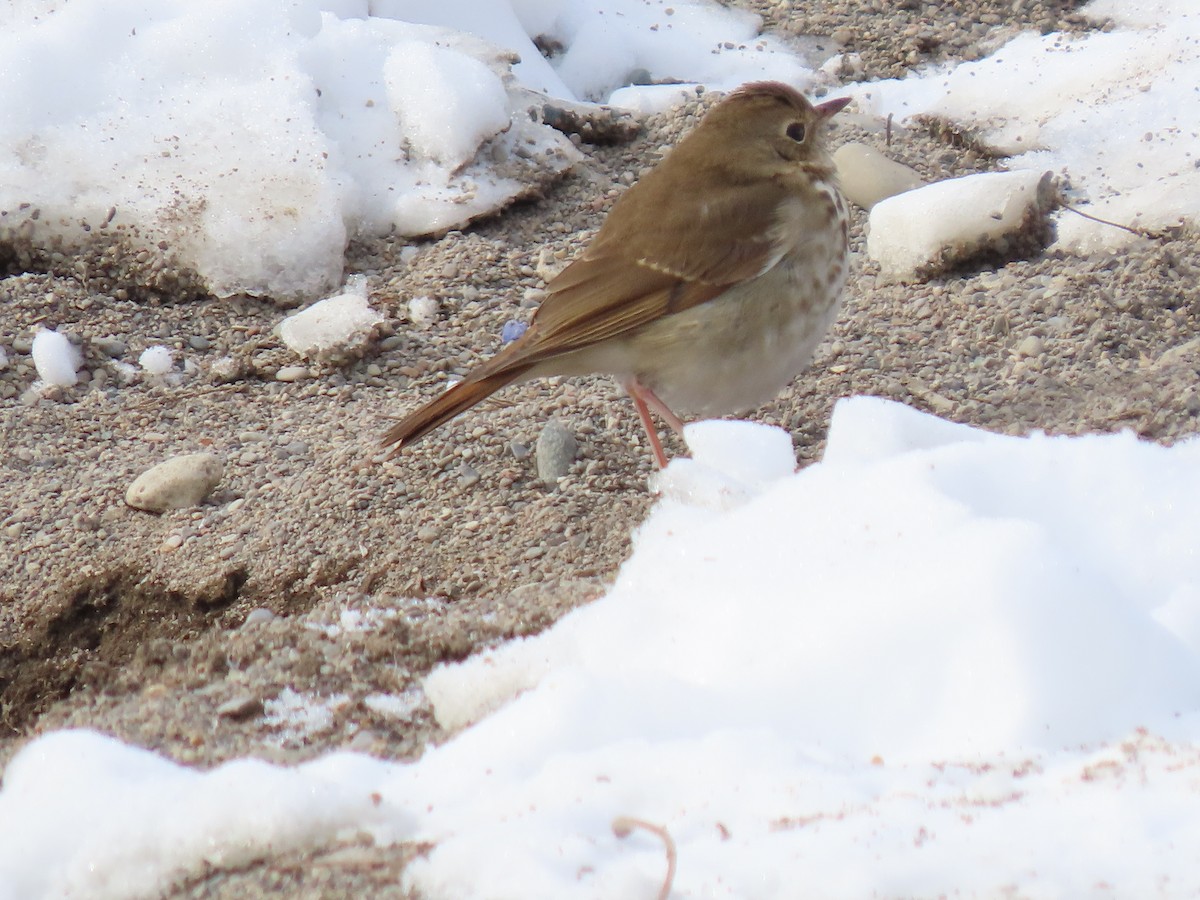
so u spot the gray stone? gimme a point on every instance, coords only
(556, 450)
(110, 346)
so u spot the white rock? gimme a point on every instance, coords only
(918, 233)
(177, 483)
(55, 358)
(869, 176)
(291, 373)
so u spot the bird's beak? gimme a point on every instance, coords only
(830, 107)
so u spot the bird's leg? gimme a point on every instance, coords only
(644, 400)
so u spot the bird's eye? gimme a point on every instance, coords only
(796, 132)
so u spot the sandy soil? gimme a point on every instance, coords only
(190, 632)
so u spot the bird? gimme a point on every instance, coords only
(709, 284)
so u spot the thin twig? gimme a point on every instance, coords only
(622, 826)
(1140, 232)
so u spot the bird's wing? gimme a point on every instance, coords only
(656, 257)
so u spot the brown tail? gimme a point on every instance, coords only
(471, 390)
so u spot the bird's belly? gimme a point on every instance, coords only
(742, 348)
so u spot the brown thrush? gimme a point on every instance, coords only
(710, 283)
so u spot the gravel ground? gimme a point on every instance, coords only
(196, 632)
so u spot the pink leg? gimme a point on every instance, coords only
(644, 400)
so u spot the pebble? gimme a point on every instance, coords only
(240, 708)
(291, 373)
(869, 176)
(260, 615)
(395, 342)
(1031, 346)
(547, 265)
(176, 483)
(225, 370)
(556, 449)
(110, 346)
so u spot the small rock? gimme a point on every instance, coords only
(176, 483)
(225, 370)
(291, 373)
(548, 266)
(556, 450)
(394, 342)
(240, 708)
(110, 346)
(1031, 346)
(260, 615)
(868, 176)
